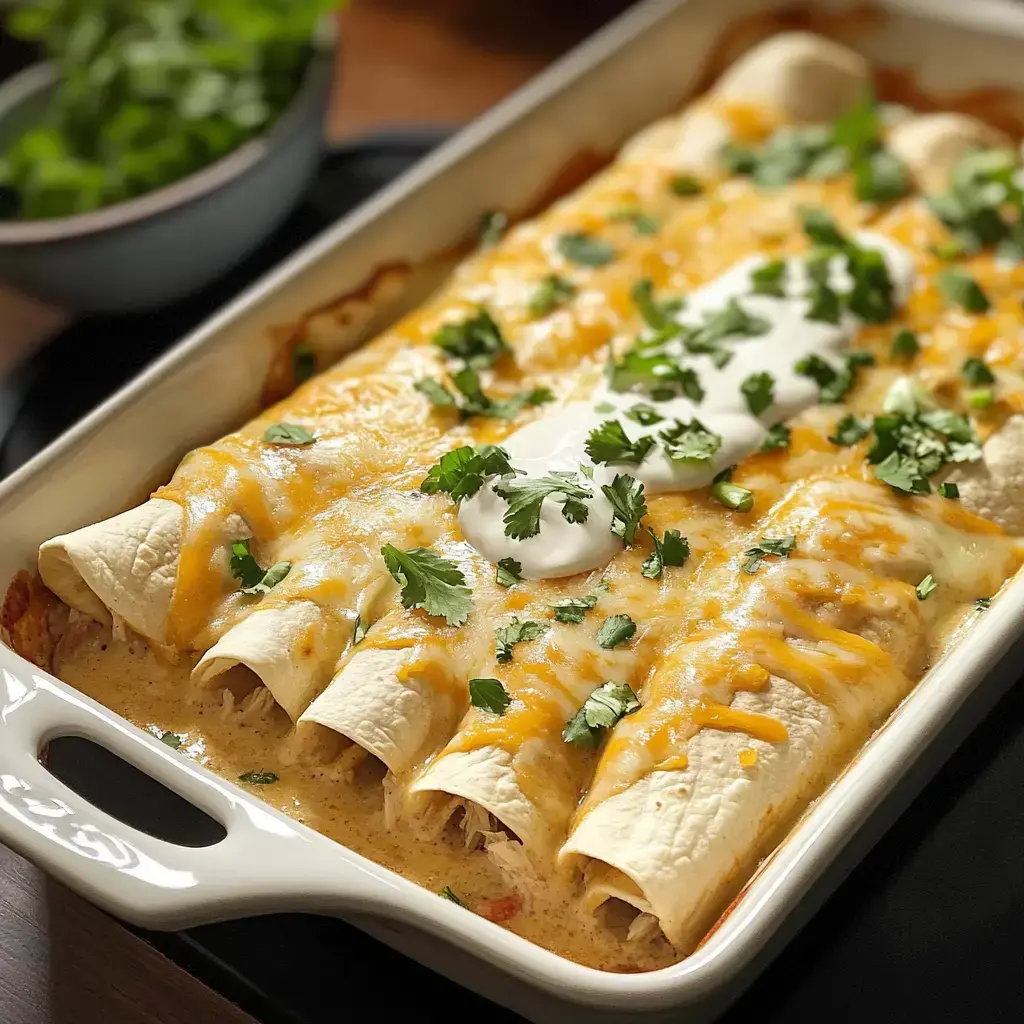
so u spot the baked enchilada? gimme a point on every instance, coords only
(567, 594)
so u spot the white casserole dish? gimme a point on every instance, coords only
(591, 101)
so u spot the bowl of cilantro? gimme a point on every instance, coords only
(158, 144)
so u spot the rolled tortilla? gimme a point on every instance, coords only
(931, 145)
(793, 77)
(691, 789)
(125, 566)
(290, 647)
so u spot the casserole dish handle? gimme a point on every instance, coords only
(265, 862)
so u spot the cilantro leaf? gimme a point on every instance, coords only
(435, 391)
(461, 472)
(609, 443)
(685, 185)
(821, 229)
(732, 496)
(960, 288)
(171, 739)
(655, 314)
(525, 496)
(516, 632)
(288, 434)
(477, 341)
(615, 630)
(904, 345)
(552, 292)
(430, 582)
(446, 893)
(258, 778)
(689, 442)
(759, 391)
(493, 225)
(252, 577)
(626, 496)
(833, 384)
(949, 490)
(607, 705)
(585, 250)
(489, 695)
(981, 398)
(849, 430)
(657, 372)
(643, 223)
(779, 547)
(777, 437)
(731, 321)
(359, 630)
(508, 572)
(472, 401)
(926, 588)
(976, 372)
(769, 279)
(673, 550)
(644, 414)
(880, 178)
(572, 609)
(824, 304)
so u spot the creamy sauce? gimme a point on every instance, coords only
(346, 805)
(557, 443)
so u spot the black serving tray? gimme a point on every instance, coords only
(928, 927)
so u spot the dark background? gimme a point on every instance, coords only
(928, 927)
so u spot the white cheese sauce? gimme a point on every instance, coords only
(556, 442)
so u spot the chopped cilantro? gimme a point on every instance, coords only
(461, 472)
(674, 549)
(626, 496)
(982, 398)
(824, 304)
(609, 443)
(849, 430)
(769, 279)
(643, 223)
(949, 490)
(258, 778)
(290, 434)
(880, 178)
(759, 391)
(171, 739)
(779, 547)
(525, 496)
(252, 577)
(644, 414)
(493, 224)
(833, 384)
(359, 630)
(960, 288)
(777, 437)
(508, 572)
(976, 372)
(685, 185)
(904, 345)
(430, 582)
(731, 495)
(615, 630)
(472, 401)
(584, 250)
(477, 341)
(689, 442)
(572, 609)
(926, 588)
(609, 703)
(447, 894)
(552, 292)
(516, 632)
(732, 321)
(489, 695)
(657, 315)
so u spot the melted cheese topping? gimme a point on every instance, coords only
(840, 618)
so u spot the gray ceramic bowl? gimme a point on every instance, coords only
(159, 247)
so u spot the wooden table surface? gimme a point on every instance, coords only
(403, 62)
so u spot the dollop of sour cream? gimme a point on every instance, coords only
(557, 442)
